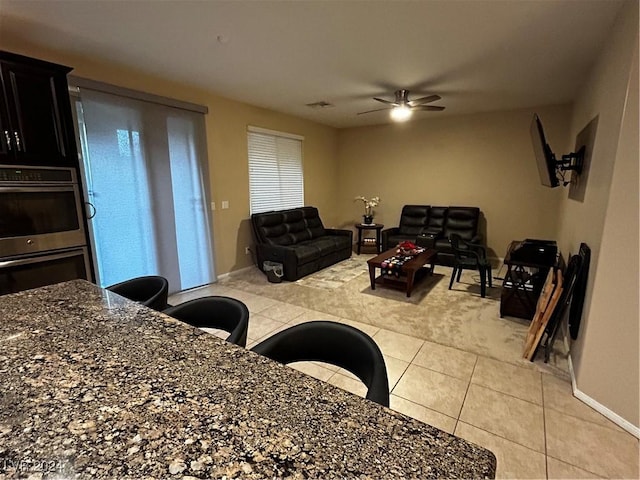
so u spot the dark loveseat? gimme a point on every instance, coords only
(432, 226)
(297, 239)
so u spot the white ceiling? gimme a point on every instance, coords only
(478, 55)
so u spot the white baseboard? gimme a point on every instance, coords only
(598, 407)
(496, 264)
(235, 272)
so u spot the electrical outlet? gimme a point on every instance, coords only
(247, 250)
(213, 205)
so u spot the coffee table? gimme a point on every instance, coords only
(410, 272)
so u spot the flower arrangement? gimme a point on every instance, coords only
(407, 249)
(368, 204)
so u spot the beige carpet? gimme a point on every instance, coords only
(458, 318)
(335, 276)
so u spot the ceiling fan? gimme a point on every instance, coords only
(402, 108)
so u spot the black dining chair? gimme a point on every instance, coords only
(470, 256)
(335, 343)
(151, 291)
(223, 313)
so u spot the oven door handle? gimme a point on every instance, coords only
(95, 210)
(41, 258)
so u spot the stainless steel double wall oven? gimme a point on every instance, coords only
(42, 233)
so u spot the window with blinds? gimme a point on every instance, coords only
(275, 170)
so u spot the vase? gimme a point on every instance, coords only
(368, 219)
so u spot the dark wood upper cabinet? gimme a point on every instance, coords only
(35, 113)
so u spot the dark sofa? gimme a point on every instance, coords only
(431, 226)
(297, 239)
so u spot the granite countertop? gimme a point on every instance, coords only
(96, 386)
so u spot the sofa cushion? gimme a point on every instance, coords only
(342, 242)
(413, 219)
(324, 245)
(306, 253)
(437, 218)
(443, 245)
(296, 226)
(278, 235)
(463, 221)
(298, 231)
(288, 227)
(313, 222)
(292, 216)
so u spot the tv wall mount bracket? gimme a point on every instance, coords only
(570, 162)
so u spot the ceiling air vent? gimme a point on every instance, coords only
(320, 104)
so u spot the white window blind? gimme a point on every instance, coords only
(275, 170)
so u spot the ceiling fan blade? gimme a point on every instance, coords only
(423, 100)
(385, 101)
(428, 108)
(371, 111)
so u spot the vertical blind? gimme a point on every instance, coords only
(144, 166)
(275, 170)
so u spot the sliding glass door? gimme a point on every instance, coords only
(144, 168)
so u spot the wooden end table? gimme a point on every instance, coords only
(410, 272)
(370, 226)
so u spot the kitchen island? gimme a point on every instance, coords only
(96, 386)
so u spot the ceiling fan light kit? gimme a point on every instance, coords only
(402, 108)
(401, 113)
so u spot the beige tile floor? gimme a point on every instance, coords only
(528, 419)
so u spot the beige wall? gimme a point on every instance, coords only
(226, 126)
(606, 354)
(484, 160)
